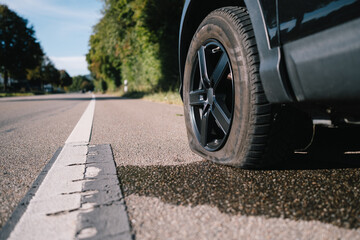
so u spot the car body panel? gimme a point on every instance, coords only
(271, 20)
(325, 67)
(321, 44)
(274, 79)
(298, 19)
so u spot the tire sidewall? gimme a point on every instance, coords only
(222, 29)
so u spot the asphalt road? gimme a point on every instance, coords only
(171, 193)
(31, 130)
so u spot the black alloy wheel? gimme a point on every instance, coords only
(227, 115)
(212, 95)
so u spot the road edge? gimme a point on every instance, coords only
(22, 206)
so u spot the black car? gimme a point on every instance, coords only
(256, 75)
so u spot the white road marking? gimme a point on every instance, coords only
(82, 131)
(53, 211)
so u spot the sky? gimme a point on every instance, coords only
(63, 28)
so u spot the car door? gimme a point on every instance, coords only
(321, 46)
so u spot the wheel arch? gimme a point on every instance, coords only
(272, 70)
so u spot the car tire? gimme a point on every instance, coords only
(228, 118)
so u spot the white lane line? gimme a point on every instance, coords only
(82, 131)
(53, 211)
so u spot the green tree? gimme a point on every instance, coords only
(76, 83)
(65, 79)
(19, 49)
(104, 57)
(87, 85)
(80, 83)
(44, 73)
(162, 19)
(137, 40)
(50, 74)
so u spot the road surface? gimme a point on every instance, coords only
(171, 193)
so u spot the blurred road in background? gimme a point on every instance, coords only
(171, 193)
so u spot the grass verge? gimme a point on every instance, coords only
(164, 97)
(16, 94)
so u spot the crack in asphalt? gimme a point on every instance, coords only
(85, 209)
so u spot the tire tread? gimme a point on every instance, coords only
(262, 117)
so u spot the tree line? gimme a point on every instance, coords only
(136, 40)
(21, 55)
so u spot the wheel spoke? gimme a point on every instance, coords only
(197, 97)
(211, 95)
(204, 128)
(219, 70)
(203, 68)
(220, 114)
